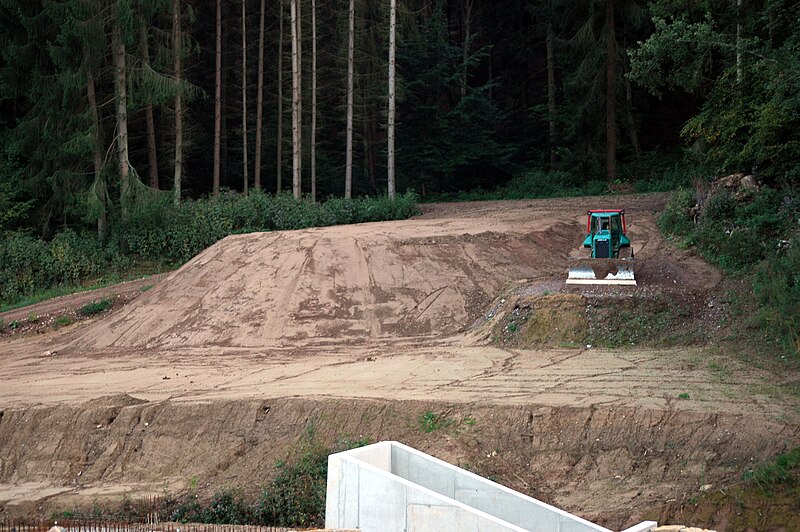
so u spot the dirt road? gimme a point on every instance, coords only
(397, 311)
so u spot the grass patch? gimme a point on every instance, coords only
(95, 307)
(783, 470)
(62, 321)
(431, 422)
(650, 321)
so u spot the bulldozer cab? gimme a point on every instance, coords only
(606, 225)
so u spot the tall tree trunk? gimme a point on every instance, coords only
(177, 43)
(634, 132)
(97, 151)
(313, 100)
(121, 85)
(259, 99)
(279, 154)
(370, 142)
(245, 177)
(217, 99)
(611, 94)
(551, 95)
(152, 154)
(465, 51)
(391, 114)
(296, 133)
(738, 41)
(348, 167)
(300, 96)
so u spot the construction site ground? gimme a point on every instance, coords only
(452, 332)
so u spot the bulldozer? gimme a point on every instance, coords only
(611, 258)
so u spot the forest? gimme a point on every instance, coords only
(145, 130)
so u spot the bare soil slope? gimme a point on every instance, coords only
(363, 328)
(428, 277)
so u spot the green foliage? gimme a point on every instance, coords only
(683, 395)
(95, 307)
(62, 321)
(750, 116)
(783, 470)
(28, 265)
(533, 184)
(749, 233)
(294, 498)
(448, 133)
(159, 231)
(676, 219)
(430, 422)
(777, 288)
(227, 507)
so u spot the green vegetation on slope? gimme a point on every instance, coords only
(754, 234)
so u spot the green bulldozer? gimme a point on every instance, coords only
(611, 255)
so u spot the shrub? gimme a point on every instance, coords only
(296, 496)
(95, 307)
(777, 288)
(675, 219)
(162, 231)
(741, 235)
(158, 231)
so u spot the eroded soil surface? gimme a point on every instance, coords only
(216, 371)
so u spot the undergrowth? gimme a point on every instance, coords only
(782, 471)
(651, 175)
(294, 498)
(163, 236)
(753, 235)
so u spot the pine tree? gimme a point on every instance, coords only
(259, 98)
(217, 97)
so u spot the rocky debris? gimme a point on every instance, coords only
(736, 183)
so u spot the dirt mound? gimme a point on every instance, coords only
(552, 320)
(424, 278)
(344, 283)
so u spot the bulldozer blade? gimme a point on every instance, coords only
(601, 271)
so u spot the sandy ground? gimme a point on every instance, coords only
(385, 310)
(393, 311)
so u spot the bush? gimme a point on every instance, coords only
(28, 264)
(158, 231)
(777, 287)
(162, 231)
(741, 235)
(95, 307)
(296, 496)
(676, 220)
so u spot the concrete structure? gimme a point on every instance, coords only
(390, 487)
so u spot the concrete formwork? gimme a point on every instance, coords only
(388, 487)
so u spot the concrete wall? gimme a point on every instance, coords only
(389, 487)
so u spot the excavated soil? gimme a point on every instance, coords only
(216, 371)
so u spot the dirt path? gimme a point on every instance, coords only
(400, 312)
(65, 304)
